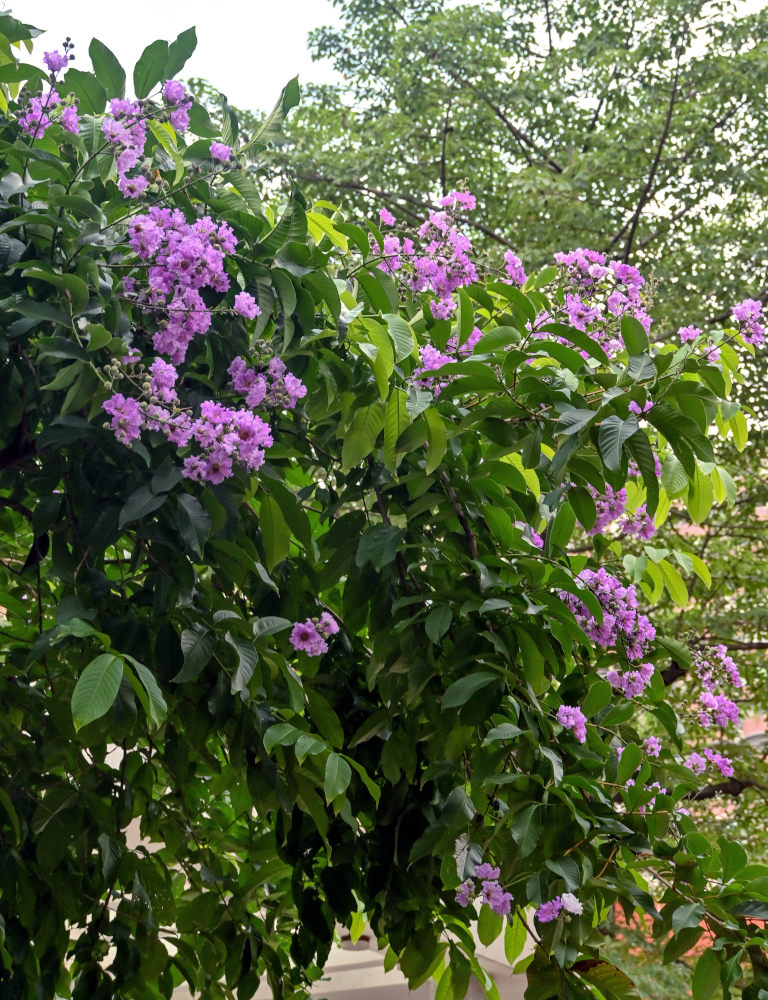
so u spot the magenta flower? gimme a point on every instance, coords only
(174, 91)
(652, 746)
(133, 187)
(55, 61)
(574, 719)
(126, 417)
(220, 151)
(306, 639)
(246, 306)
(386, 217)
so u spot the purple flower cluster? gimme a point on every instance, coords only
(311, 636)
(600, 294)
(37, 117)
(714, 666)
(432, 360)
(688, 333)
(553, 908)
(126, 131)
(750, 327)
(222, 436)
(442, 262)
(182, 258)
(638, 525)
(277, 387)
(514, 268)
(717, 710)
(698, 763)
(491, 892)
(652, 746)
(609, 507)
(622, 624)
(640, 410)
(574, 719)
(175, 94)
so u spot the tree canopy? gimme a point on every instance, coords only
(635, 128)
(293, 567)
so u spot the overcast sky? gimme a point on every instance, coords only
(248, 49)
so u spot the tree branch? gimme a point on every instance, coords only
(734, 786)
(646, 192)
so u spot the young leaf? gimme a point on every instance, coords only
(96, 689)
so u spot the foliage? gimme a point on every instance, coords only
(158, 598)
(636, 128)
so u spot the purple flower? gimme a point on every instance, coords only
(180, 117)
(514, 268)
(549, 911)
(687, 333)
(386, 217)
(465, 891)
(133, 187)
(573, 718)
(487, 871)
(329, 626)
(652, 746)
(69, 119)
(220, 151)
(174, 91)
(55, 61)
(305, 638)
(126, 417)
(246, 306)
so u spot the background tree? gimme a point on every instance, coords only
(292, 579)
(635, 128)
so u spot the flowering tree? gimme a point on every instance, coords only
(292, 589)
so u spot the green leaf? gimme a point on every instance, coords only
(633, 334)
(378, 545)
(156, 706)
(194, 523)
(179, 52)
(96, 689)
(613, 433)
(275, 533)
(396, 419)
(566, 869)
(688, 915)
(140, 503)
(526, 829)
(674, 583)
(361, 438)
(150, 69)
(706, 975)
(562, 526)
(462, 690)
(247, 661)
(197, 645)
(700, 496)
(515, 936)
(438, 622)
(437, 438)
(631, 758)
(489, 925)
(338, 775)
(612, 983)
(271, 128)
(599, 695)
(108, 70)
(90, 94)
(402, 336)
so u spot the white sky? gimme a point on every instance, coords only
(248, 49)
